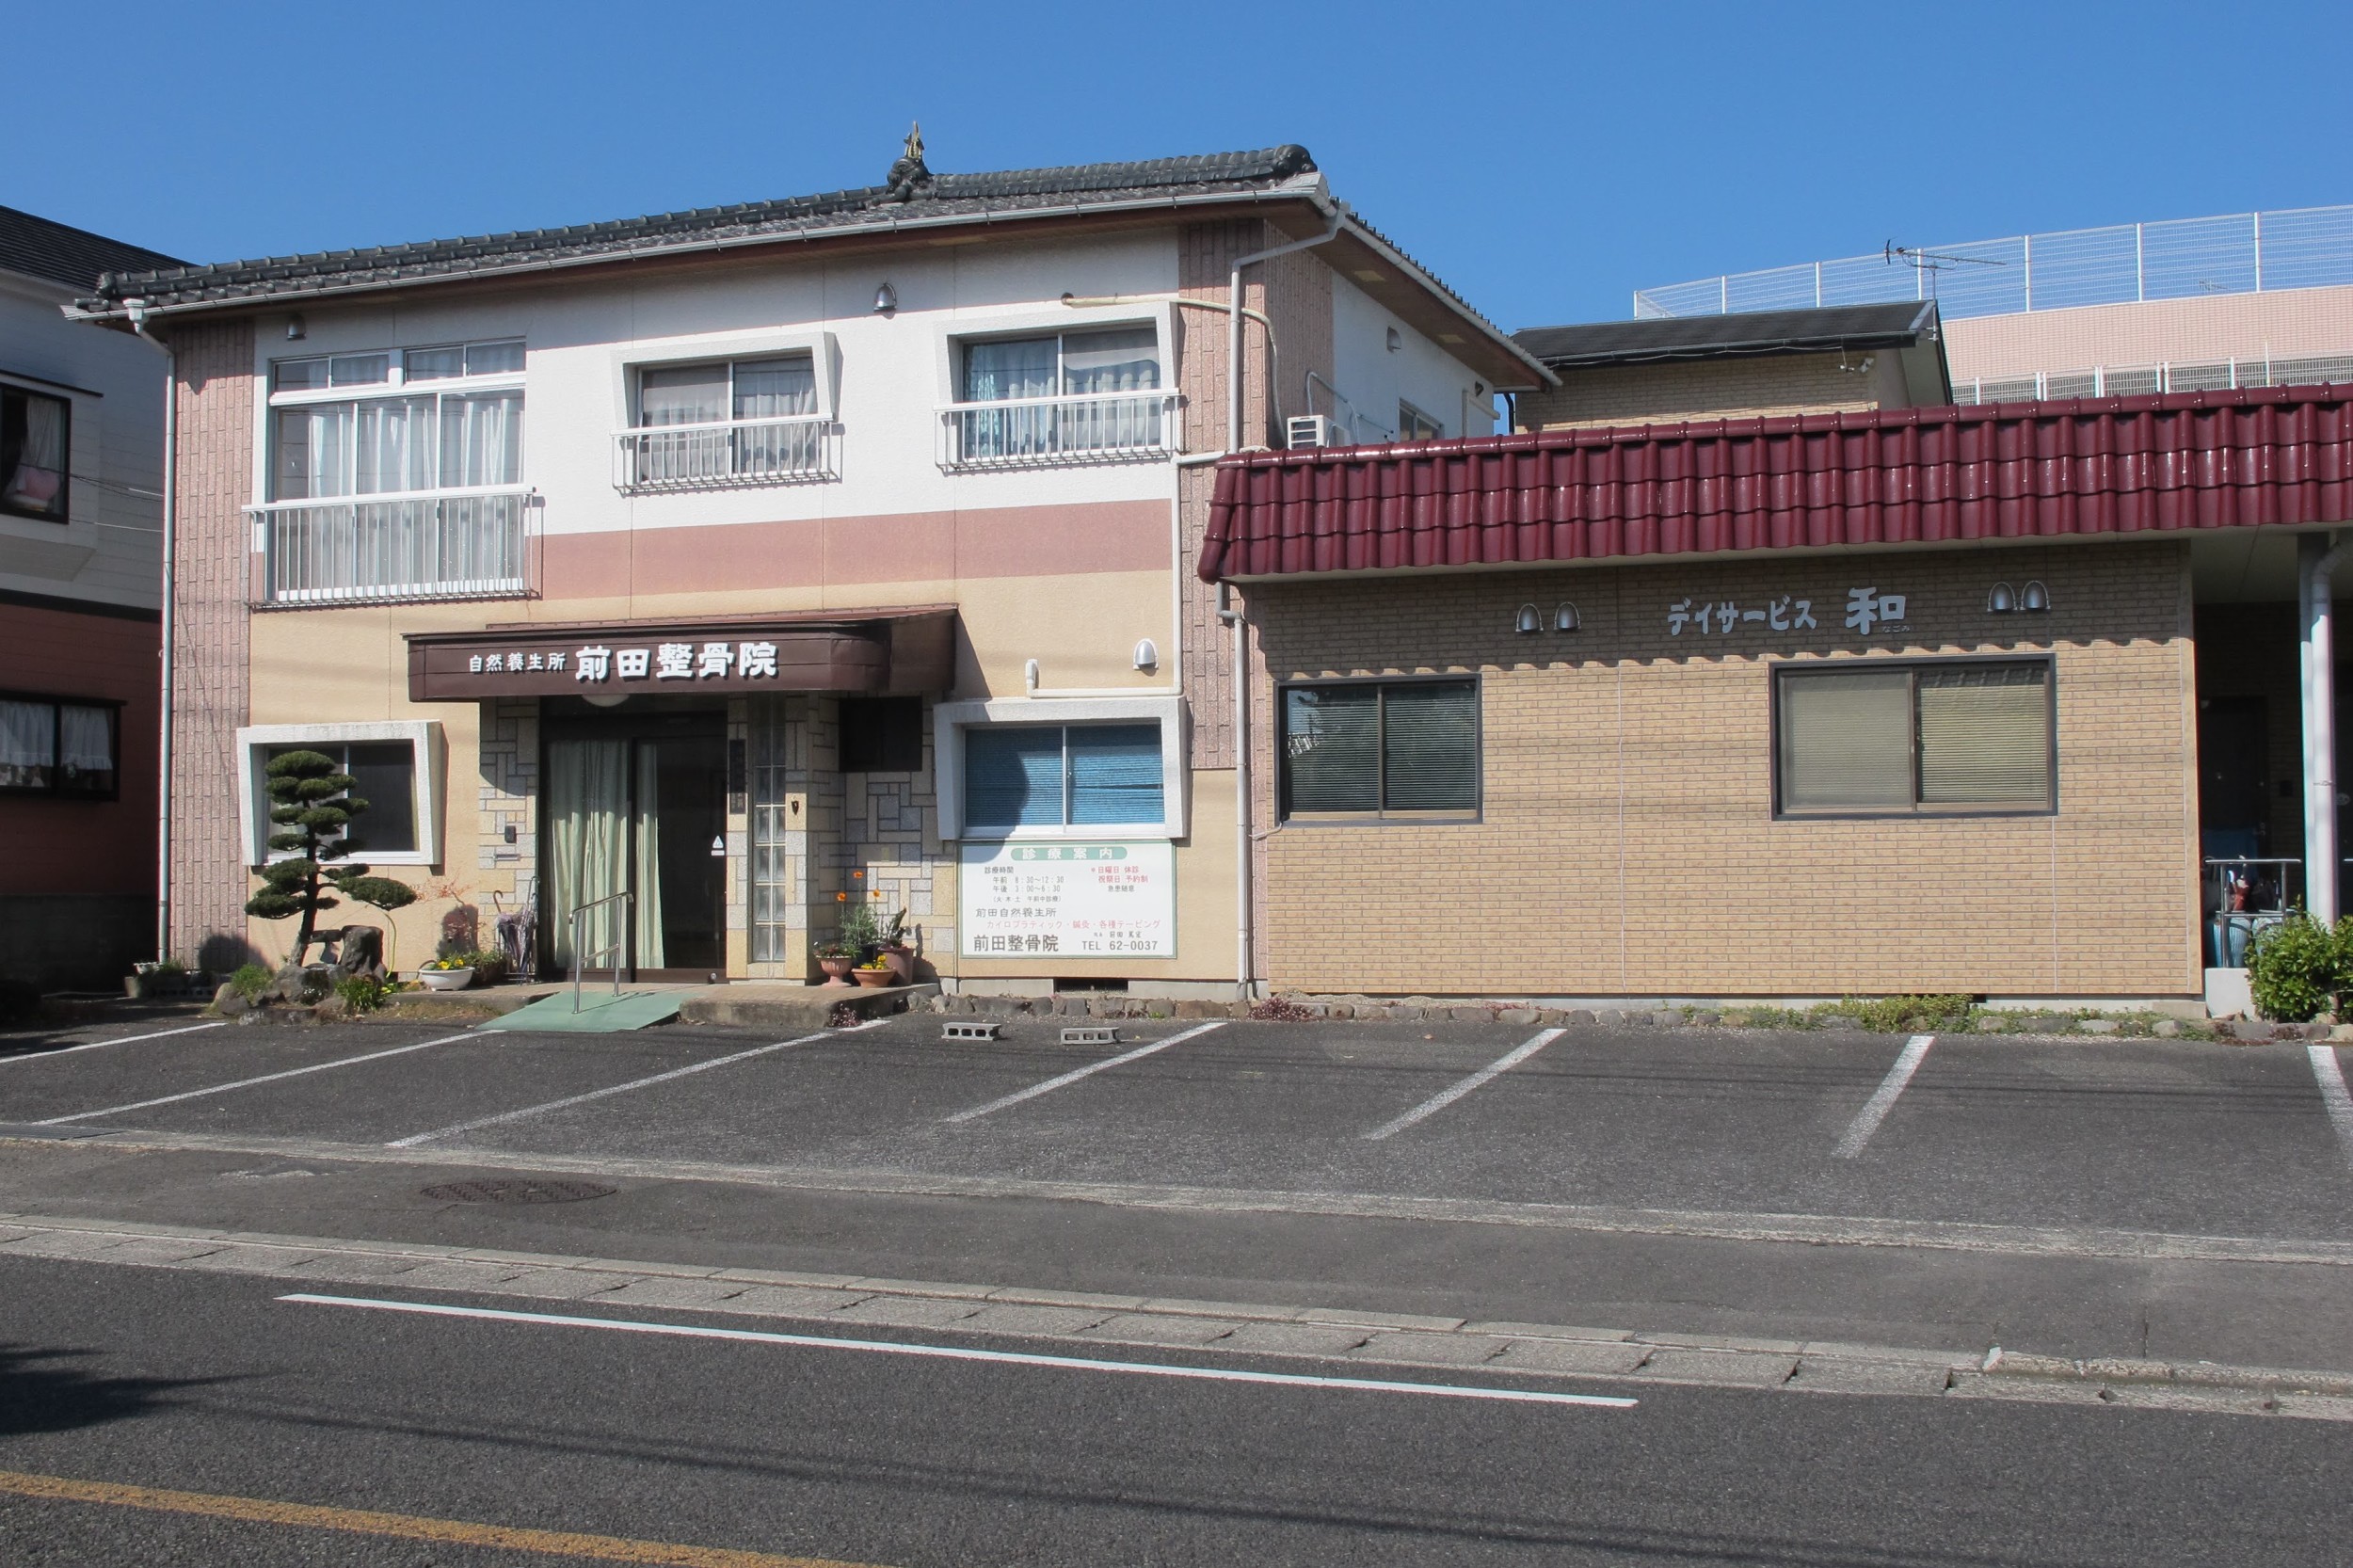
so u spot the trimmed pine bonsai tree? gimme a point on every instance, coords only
(312, 807)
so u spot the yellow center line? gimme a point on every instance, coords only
(409, 1527)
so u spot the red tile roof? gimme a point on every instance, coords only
(1942, 475)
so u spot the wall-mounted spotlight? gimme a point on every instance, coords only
(2034, 598)
(295, 330)
(2002, 600)
(886, 300)
(1397, 340)
(1564, 619)
(1147, 654)
(1527, 620)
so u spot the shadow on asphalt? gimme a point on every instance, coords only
(44, 1390)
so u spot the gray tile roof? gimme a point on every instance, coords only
(60, 253)
(1744, 333)
(949, 199)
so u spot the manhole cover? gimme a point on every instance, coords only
(519, 1191)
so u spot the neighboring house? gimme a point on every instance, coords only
(81, 506)
(752, 560)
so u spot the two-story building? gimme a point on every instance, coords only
(81, 506)
(751, 560)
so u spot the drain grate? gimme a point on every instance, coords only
(519, 1191)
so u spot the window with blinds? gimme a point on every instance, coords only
(1381, 750)
(1966, 736)
(1058, 776)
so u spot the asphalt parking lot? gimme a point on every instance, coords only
(2176, 1136)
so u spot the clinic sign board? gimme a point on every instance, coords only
(1069, 900)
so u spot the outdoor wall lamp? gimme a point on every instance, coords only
(1147, 654)
(1396, 339)
(1564, 619)
(2034, 598)
(1527, 620)
(295, 330)
(2002, 600)
(886, 300)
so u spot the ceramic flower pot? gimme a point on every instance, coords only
(836, 969)
(874, 979)
(902, 962)
(446, 980)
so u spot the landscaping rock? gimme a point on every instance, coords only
(2098, 1026)
(230, 1002)
(1578, 1018)
(2250, 1029)
(1707, 1017)
(329, 1008)
(1609, 1017)
(2048, 1023)
(2167, 1029)
(1996, 1023)
(1518, 1016)
(1667, 1017)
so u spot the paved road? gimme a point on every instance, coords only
(212, 1388)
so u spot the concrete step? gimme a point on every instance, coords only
(781, 1005)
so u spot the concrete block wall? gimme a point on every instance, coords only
(1628, 844)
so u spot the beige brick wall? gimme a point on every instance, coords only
(1628, 844)
(215, 482)
(1711, 388)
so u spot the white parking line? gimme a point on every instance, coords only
(1494, 1070)
(958, 1352)
(1053, 1084)
(415, 1138)
(249, 1082)
(1875, 1110)
(2331, 1075)
(123, 1040)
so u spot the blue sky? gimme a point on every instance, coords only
(1546, 160)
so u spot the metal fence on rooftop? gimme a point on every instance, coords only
(2244, 253)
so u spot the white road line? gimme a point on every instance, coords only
(1875, 1110)
(2332, 1094)
(125, 1040)
(249, 1082)
(1053, 1084)
(955, 1352)
(1494, 1070)
(415, 1138)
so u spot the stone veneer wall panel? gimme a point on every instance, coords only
(1628, 846)
(210, 639)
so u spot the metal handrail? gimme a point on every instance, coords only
(627, 898)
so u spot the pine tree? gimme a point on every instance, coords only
(311, 805)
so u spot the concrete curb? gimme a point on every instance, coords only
(1329, 1334)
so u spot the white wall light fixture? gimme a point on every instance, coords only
(1147, 655)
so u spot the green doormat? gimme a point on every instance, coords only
(600, 1011)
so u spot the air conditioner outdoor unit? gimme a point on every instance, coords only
(1302, 431)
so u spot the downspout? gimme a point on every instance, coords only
(135, 311)
(1244, 955)
(2317, 558)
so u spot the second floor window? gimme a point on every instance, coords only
(732, 419)
(33, 440)
(1068, 396)
(1414, 425)
(354, 425)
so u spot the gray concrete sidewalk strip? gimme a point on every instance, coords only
(249, 1082)
(118, 1040)
(1089, 1071)
(1332, 1335)
(504, 1117)
(1875, 1110)
(1805, 1229)
(2329, 1073)
(1485, 1075)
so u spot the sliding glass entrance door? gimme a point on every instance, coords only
(636, 807)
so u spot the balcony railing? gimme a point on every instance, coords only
(438, 544)
(724, 453)
(1029, 432)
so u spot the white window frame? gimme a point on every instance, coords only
(395, 384)
(59, 547)
(951, 719)
(947, 367)
(1406, 406)
(428, 752)
(625, 365)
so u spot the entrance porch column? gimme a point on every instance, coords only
(2317, 559)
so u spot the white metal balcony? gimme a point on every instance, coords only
(1028, 432)
(433, 544)
(724, 453)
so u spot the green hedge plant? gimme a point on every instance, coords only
(2296, 968)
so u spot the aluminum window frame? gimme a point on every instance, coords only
(428, 756)
(63, 516)
(949, 719)
(58, 703)
(1381, 816)
(1780, 669)
(395, 385)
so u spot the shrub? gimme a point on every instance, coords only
(312, 806)
(361, 993)
(488, 965)
(2295, 968)
(251, 980)
(1901, 1014)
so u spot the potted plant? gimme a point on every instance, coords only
(446, 974)
(877, 971)
(891, 938)
(836, 958)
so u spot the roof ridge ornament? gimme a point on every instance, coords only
(908, 177)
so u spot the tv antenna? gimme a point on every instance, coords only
(1931, 263)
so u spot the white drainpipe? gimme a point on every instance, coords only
(136, 312)
(1245, 964)
(2316, 558)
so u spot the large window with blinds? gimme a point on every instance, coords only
(1062, 776)
(1373, 750)
(1953, 736)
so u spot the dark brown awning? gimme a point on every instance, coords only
(895, 651)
